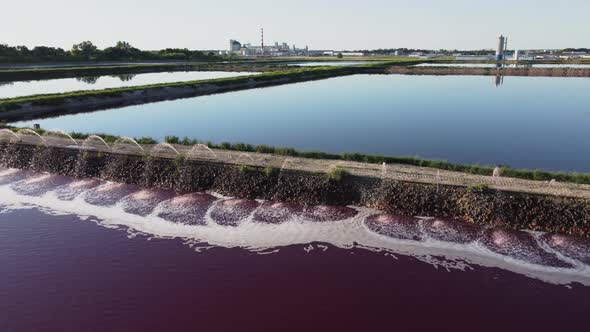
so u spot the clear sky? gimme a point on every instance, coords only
(321, 24)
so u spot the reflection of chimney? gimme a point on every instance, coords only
(498, 79)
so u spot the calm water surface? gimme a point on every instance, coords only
(16, 89)
(85, 255)
(526, 122)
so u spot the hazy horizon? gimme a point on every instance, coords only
(344, 24)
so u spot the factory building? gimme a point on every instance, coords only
(234, 46)
(278, 49)
(282, 49)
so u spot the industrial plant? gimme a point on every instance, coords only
(499, 53)
(278, 49)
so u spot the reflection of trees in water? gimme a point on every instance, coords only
(88, 79)
(94, 79)
(125, 77)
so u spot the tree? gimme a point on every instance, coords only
(85, 49)
(122, 45)
(339, 56)
(47, 52)
(122, 51)
(8, 51)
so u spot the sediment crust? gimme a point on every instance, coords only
(515, 210)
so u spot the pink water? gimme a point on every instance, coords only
(101, 257)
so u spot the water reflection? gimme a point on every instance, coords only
(94, 79)
(499, 79)
(269, 226)
(125, 77)
(18, 89)
(88, 79)
(379, 114)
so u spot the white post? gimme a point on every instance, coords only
(497, 172)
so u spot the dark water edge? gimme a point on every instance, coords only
(61, 273)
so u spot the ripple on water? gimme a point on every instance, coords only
(451, 231)
(572, 247)
(328, 213)
(277, 212)
(398, 227)
(232, 212)
(40, 184)
(189, 209)
(144, 202)
(521, 246)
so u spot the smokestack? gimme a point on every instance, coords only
(262, 39)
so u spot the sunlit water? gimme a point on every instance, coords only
(531, 122)
(17, 89)
(83, 254)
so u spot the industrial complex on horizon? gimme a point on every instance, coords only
(501, 52)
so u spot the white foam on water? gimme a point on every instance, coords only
(81, 183)
(143, 195)
(8, 172)
(37, 179)
(267, 238)
(109, 186)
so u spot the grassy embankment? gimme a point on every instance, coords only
(509, 172)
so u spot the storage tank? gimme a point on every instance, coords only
(501, 48)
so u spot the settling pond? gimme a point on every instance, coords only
(18, 89)
(527, 122)
(87, 255)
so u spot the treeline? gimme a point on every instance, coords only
(388, 51)
(587, 50)
(402, 51)
(87, 51)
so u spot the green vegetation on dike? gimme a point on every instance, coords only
(537, 175)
